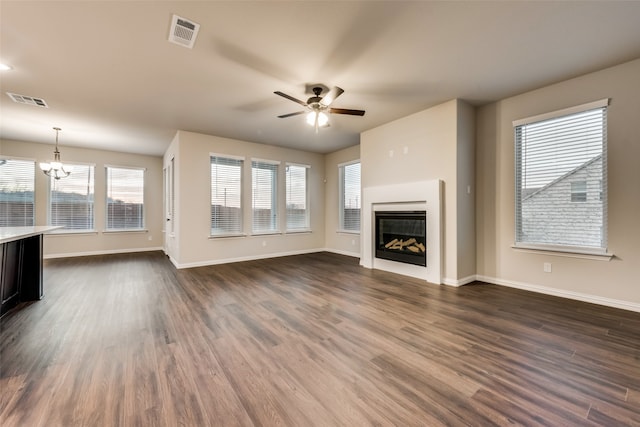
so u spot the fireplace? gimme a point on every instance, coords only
(401, 236)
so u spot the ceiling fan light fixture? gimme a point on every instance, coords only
(55, 168)
(322, 118)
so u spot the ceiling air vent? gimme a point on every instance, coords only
(183, 31)
(29, 100)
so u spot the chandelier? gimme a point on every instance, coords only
(55, 168)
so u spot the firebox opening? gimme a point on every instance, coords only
(401, 236)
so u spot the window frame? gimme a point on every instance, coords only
(341, 194)
(586, 251)
(25, 222)
(275, 217)
(106, 200)
(307, 215)
(241, 164)
(64, 230)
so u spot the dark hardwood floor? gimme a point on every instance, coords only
(309, 340)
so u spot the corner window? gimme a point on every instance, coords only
(226, 195)
(350, 196)
(560, 160)
(71, 203)
(17, 200)
(125, 198)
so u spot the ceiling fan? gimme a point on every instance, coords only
(318, 106)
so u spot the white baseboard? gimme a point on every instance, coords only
(241, 259)
(107, 252)
(341, 252)
(609, 302)
(459, 282)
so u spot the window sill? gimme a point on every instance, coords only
(568, 252)
(125, 230)
(63, 232)
(300, 231)
(226, 236)
(348, 231)
(266, 233)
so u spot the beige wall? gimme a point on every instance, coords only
(612, 282)
(98, 242)
(465, 192)
(336, 241)
(192, 244)
(437, 143)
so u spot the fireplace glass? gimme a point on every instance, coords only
(401, 236)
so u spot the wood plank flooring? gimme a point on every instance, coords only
(309, 340)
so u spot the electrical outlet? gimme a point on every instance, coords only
(546, 267)
(264, 243)
(150, 238)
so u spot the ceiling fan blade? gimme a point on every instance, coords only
(291, 114)
(284, 95)
(331, 96)
(346, 111)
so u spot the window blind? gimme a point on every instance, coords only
(17, 193)
(226, 196)
(71, 199)
(264, 196)
(561, 175)
(125, 198)
(350, 196)
(296, 197)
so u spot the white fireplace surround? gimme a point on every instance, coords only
(414, 196)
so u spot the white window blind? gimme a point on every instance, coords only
(125, 198)
(264, 196)
(71, 199)
(226, 196)
(296, 197)
(350, 196)
(17, 193)
(561, 175)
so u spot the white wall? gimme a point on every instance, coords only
(336, 241)
(433, 144)
(614, 282)
(99, 242)
(192, 245)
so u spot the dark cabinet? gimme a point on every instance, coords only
(10, 277)
(20, 272)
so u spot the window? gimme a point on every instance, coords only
(125, 198)
(71, 199)
(297, 202)
(350, 196)
(226, 196)
(16, 193)
(579, 191)
(264, 177)
(561, 179)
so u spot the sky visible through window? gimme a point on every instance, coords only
(553, 147)
(225, 179)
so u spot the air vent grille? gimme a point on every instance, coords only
(29, 100)
(183, 31)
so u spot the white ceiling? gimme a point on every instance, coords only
(113, 81)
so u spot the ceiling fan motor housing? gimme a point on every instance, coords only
(314, 101)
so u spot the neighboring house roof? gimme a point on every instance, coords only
(563, 177)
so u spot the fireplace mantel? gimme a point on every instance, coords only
(421, 195)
